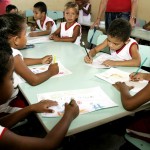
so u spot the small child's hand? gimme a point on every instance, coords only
(121, 85)
(137, 77)
(53, 69)
(109, 63)
(56, 38)
(33, 28)
(87, 60)
(43, 106)
(33, 34)
(47, 59)
(51, 37)
(71, 110)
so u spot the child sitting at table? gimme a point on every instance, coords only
(69, 31)
(84, 11)
(10, 140)
(123, 48)
(140, 127)
(13, 29)
(43, 22)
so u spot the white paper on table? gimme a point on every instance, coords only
(88, 100)
(62, 70)
(114, 75)
(39, 39)
(97, 62)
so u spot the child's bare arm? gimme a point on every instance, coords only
(56, 33)
(11, 119)
(10, 140)
(34, 61)
(76, 33)
(33, 79)
(132, 102)
(94, 51)
(134, 62)
(46, 32)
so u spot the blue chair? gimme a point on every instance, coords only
(144, 51)
(52, 14)
(142, 145)
(28, 13)
(60, 15)
(100, 40)
(92, 36)
(140, 22)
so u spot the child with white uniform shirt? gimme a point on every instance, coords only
(69, 31)
(84, 11)
(121, 46)
(43, 22)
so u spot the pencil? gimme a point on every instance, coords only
(54, 59)
(140, 66)
(85, 49)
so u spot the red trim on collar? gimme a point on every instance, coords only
(69, 27)
(117, 51)
(3, 132)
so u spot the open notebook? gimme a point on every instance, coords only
(88, 100)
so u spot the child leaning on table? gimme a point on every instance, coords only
(10, 140)
(139, 127)
(43, 22)
(13, 29)
(69, 31)
(122, 47)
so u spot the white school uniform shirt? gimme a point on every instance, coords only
(2, 131)
(17, 79)
(125, 52)
(69, 32)
(43, 27)
(83, 17)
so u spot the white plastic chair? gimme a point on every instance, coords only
(142, 145)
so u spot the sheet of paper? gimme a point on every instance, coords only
(89, 100)
(97, 62)
(39, 39)
(62, 70)
(114, 75)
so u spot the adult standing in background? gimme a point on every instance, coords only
(3, 4)
(117, 9)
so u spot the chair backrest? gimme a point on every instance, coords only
(94, 36)
(140, 22)
(142, 145)
(144, 51)
(29, 13)
(60, 14)
(100, 40)
(52, 14)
